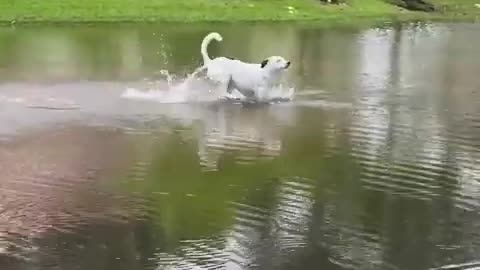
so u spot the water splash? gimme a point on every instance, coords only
(194, 88)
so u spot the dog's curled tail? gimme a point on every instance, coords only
(207, 41)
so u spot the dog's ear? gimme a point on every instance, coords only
(264, 63)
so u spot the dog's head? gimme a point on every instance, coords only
(275, 63)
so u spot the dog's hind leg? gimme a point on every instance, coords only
(230, 85)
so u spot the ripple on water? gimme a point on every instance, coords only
(475, 265)
(414, 161)
(208, 253)
(51, 183)
(293, 213)
(244, 245)
(350, 244)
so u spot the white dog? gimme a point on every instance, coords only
(251, 80)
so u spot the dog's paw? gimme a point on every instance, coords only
(229, 97)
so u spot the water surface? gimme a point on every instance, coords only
(373, 165)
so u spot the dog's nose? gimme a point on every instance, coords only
(288, 64)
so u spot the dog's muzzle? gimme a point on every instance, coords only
(287, 65)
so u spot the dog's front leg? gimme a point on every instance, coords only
(261, 93)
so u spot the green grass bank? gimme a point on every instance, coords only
(91, 11)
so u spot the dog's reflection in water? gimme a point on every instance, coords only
(250, 132)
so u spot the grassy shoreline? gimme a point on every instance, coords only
(112, 11)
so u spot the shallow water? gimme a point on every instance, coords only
(373, 165)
